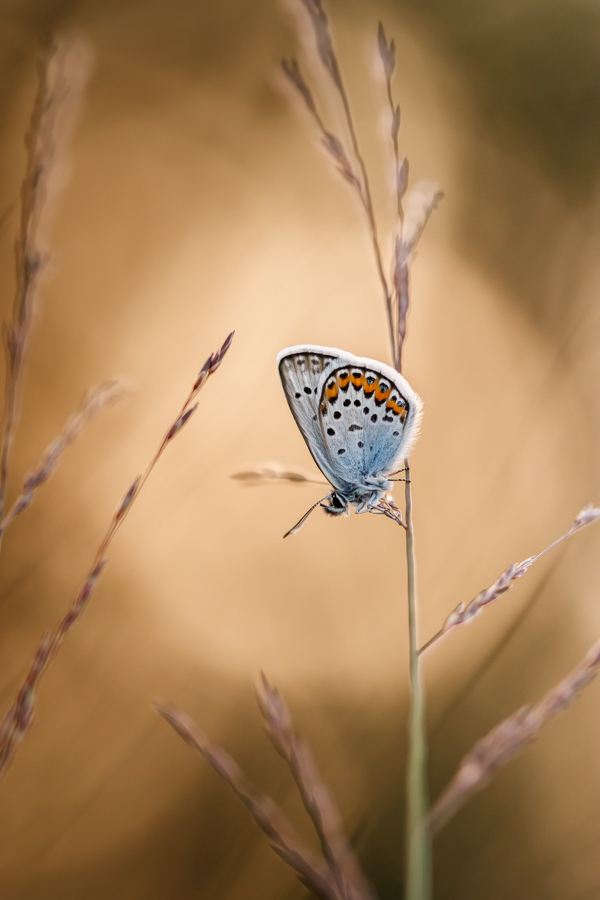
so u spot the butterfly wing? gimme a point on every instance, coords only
(301, 369)
(368, 415)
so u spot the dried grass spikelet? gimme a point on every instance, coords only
(19, 717)
(96, 400)
(464, 612)
(349, 162)
(335, 876)
(62, 74)
(507, 739)
(273, 472)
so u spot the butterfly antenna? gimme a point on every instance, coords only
(299, 524)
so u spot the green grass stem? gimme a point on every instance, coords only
(418, 841)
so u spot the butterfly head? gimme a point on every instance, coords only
(337, 505)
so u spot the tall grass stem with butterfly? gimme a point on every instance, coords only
(376, 469)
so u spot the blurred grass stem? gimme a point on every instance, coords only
(62, 73)
(418, 846)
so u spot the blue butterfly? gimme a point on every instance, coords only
(358, 417)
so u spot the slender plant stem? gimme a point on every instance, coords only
(418, 843)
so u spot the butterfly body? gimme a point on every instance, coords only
(358, 417)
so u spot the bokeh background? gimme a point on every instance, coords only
(198, 202)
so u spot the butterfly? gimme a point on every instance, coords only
(359, 419)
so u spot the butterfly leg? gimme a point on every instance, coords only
(398, 472)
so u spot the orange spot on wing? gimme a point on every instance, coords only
(358, 381)
(400, 409)
(369, 388)
(381, 395)
(332, 391)
(344, 380)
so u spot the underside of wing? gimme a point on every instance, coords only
(369, 417)
(300, 370)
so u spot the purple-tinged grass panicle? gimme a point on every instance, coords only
(506, 740)
(423, 199)
(210, 367)
(20, 716)
(387, 55)
(357, 179)
(335, 877)
(181, 421)
(311, 871)
(96, 400)
(62, 74)
(464, 612)
(588, 514)
(323, 40)
(316, 799)
(128, 499)
(419, 203)
(217, 358)
(292, 72)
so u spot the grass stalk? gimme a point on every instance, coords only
(418, 842)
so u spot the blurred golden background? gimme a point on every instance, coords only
(198, 203)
